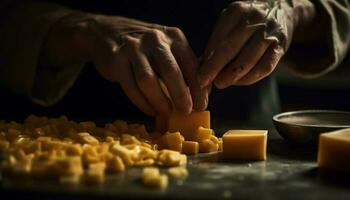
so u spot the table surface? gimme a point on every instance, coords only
(290, 172)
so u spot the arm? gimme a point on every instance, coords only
(250, 39)
(134, 54)
(320, 44)
(22, 36)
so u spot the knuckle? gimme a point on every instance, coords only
(132, 44)
(171, 69)
(175, 32)
(219, 84)
(145, 77)
(257, 14)
(155, 36)
(162, 50)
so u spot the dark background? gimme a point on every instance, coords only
(94, 98)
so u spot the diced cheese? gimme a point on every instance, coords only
(245, 144)
(178, 172)
(207, 146)
(152, 178)
(174, 141)
(150, 171)
(171, 158)
(203, 134)
(158, 182)
(95, 175)
(334, 150)
(187, 125)
(116, 164)
(190, 147)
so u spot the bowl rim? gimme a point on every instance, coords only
(277, 118)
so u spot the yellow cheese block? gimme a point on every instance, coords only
(187, 125)
(334, 150)
(190, 147)
(244, 144)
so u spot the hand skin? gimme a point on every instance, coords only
(238, 54)
(136, 55)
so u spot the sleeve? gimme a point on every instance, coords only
(317, 59)
(22, 37)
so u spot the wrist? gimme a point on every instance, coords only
(69, 40)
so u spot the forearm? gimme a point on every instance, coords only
(322, 41)
(23, 35)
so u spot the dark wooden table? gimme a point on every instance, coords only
(290, 172)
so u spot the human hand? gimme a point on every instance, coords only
(136, 55)
(248, 40)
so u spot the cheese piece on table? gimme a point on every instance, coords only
(152, 178)
(178, 172)
(203, 134)
(245, 144)
(334, 150)
(173, 141)
(187, 125)
(207, 146)
(190, 147)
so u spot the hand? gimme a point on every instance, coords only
(136, 55)
(249, 39)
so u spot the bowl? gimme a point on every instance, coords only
(305, 126)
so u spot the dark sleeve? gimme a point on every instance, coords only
(22, 34)
(319, 58)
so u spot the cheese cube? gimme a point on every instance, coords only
(123, 153)
(150, 171)
(187, 125)
(145, 162)
(174, 141)
(152, 178)
(115, 164)
(207, 146)
(334, 150)
(95, 173)
(190, 147)
(171, 158)
(245, 144)
(214, 139)
(178, 172)
(203, 134)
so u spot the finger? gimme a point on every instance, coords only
(225, 52)
(245, 61)
(129, 84)
(264, 67)
(229, 18)
(147, 82)
(170, 73)
(188, 63)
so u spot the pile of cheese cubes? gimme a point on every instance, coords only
(73, 152)
(189, 134)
